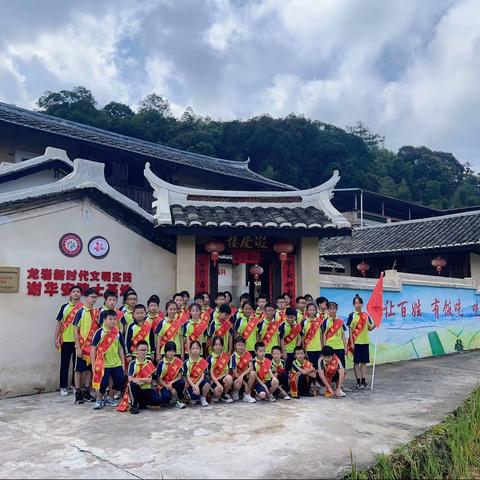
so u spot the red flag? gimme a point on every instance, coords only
(375, 303)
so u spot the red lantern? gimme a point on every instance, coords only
(283, 249)
(363, 267)
(256, 271)
(439, 263)
(215, 248)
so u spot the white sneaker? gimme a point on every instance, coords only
(110, 402)
(236, 396)
(342, 394)
(226, 398)
(215, 399)
(63, 392)
(271, 398)
(203, 401)
(287, 397)
(248, 398)
(179, 404)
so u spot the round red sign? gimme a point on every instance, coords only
(70, 244)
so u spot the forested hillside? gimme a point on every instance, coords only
(294, 149)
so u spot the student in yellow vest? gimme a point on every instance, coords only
(130, 299)
(139, 329)
(279, 370)
(241, 366)
(312, 334)
(222, 326)
(331, 370)
(141, 392)
(196, 328)
(218, 367)
(266, 384)
(281, 307)
(171, 384)
(290, 333)
(302, 374)
(301, 308)
(359, 324)
(185, 299)
(262, 301)
(322, 312)
(246, 317)
(108, 359)
(196, 380)
(169, 329)
(109, 302)
(333, 330)
(64, 336)
(85, 326)
(219, 300)
(268, 330)
(154, 314)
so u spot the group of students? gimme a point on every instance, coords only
(138, 355)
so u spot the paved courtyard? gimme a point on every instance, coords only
(46, 436)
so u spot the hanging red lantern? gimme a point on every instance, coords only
(215, 248)
(439, 263)
(256, 271)
(363, 267)
(283, 249)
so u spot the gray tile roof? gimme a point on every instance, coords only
(331, 265)
(237, 217)
(58, 126)
(448, 231)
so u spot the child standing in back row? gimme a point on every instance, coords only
(334, 332)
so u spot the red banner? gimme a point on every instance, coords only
(202, 273)
(247, 256)
(288, 276)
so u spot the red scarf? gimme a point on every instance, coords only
(69, 319)
(200, 328)
(332, 368)
(242, 364)
(141, 334)
(250, 327)
(271, 329)
(224, 327)
(358, 330)
(102, 347)
(172, 371)
(197, 369)
(145, 372)
(85, 343)
(337, 323)
(294, 331)
(315, 325)
(264, 368)
(220, 364)
(171, 332)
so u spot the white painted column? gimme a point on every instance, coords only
(186, 263)
(475, 268)
(308, 276)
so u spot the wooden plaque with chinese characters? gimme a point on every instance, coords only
(9, 279)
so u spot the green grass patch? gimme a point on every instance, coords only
(450, 449)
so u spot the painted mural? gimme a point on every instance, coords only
(419, 321)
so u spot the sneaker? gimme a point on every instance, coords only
(342, 394)
(364, 385)
(79, 397)
(271, 398)
(110, 402)
(179, 404)
(203, 401)
(215, 399)
(226, 398)
(236, 396)
(64, 392)
(118, 395)
(248, 398)
(134, 410)
(358, 386)
(88, 396)
(287, 397)
(98, 405)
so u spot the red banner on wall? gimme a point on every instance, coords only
(202, 272)
(288, 276)
(241, 256)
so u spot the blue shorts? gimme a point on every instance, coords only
(81, 365)
(166, 394)
(313, 358)
(361, 353)
(190, 390)
(259, 388)
(118, 379)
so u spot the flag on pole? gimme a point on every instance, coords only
(375, 303)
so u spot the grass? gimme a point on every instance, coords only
(450, 449)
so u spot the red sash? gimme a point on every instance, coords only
(311, 332)
(155, 321)
(197, 369)
(141, 335)
(332, 368)
(294, 331)
(358, 329)
(282, 316)
(337, 323)
(172, 371)
(171, 332)
(184, 316)
(222, 330)
(85, 343)
(221, 363)
(278, 368)
(264, 368)
(199, 328)
(242, 364)
(102, 347)
(271, 329)
(144, 372)
(69, 319)
(250, 327)
(293, 379)
(234, 310)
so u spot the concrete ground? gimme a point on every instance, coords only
(47, 436)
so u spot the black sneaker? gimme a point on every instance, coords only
(142, 406)
(359, 385)
(134, 410)
(88, 396)
(79, 397)
(364, 385)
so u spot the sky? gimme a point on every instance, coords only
(409, 69)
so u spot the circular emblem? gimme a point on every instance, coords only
(98, 247)
(70, 244)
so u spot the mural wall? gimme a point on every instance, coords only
(419, 321)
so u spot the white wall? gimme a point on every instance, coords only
(28, 360)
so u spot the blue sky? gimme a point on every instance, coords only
(410, 70)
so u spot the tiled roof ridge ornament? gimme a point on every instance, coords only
(50, 155)
(166, 195)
